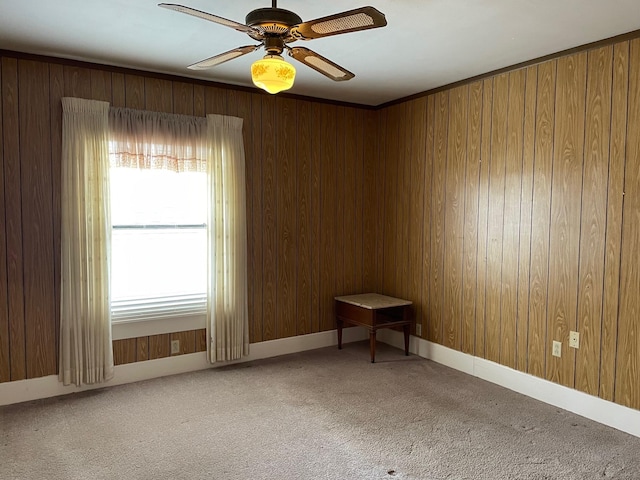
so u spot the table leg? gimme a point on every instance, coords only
(339, 324)
(406, 339)
(372, 345)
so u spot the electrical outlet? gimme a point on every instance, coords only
(175, 347)
(418, 329)
(574, 339)
(557, 349)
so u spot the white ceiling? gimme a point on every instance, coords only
(426, 44)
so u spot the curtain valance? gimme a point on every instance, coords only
(144, 139)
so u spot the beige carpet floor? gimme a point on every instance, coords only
(323, 414)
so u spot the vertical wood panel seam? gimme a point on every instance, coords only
(395, 155)
(480, 136)
(624, 182)
(584, 160)
(504, 191)
(382, 155)
(444, 218)
(57, 229)
(248, 130)
(517, 278)
(312, 216)
(464, 216)
(19, 143)
(430, 120)
(432, 216)
(408, 114)
(424, 160)
(294, 161)
(340, 187)
(606, 221)
(362, 216)
(401, 206)
(320, 149)
(360, 201)
(553, 151)
(362, 182)
(262, 203)
(409, 186)
(4, 222)
(273, 117)
(410, 246)
(533, 189)
(297, 231)
(421, 274)
(380, 202)
(53, 227)
(606, 213)
(524, 116)
(489, 150)
(321, 186)
(533, 170)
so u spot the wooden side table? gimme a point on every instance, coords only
(373, 311)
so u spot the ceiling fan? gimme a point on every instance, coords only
(275, 28)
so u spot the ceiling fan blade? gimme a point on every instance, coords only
(320, 64)
(351, 21)
(224, 57)
(208, 16)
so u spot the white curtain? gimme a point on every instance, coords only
(86, 354)
(227, 314)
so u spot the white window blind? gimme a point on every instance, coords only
(159, 250)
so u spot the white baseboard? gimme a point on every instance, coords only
(580, 403)
(49, 386)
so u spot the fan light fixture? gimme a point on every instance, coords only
(274, 29)
(273, 74)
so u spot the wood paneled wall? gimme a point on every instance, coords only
(130, 350)
(510, 214)
(306, 164)
(506, 209)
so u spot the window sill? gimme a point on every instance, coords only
(123, 329)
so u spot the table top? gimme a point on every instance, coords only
(373, 301)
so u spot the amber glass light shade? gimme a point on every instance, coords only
(273, 74)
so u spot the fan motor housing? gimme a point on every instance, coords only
(276, 19)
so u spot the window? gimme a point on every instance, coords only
(135, 171)
(158, 248)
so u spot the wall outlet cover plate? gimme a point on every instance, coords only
(574, 339)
